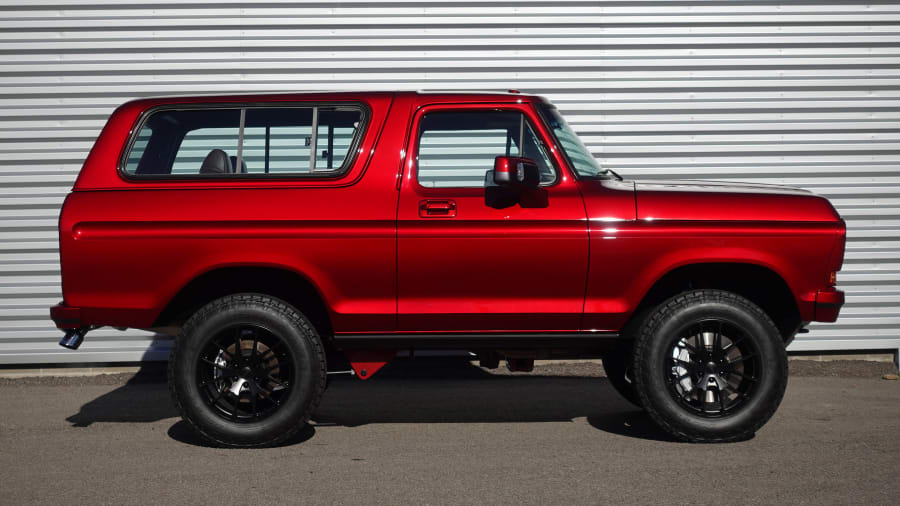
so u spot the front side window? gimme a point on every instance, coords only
(456, 149)
(248, 141)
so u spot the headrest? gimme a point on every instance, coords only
(216, 162)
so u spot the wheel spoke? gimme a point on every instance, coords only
(254, 395)
(215, 399)
(742, 358)
(216, 365)
(277, 382)
(686, 364)
(271, 368)
(266, 393)
(717, 341)
(270, 353)
(255, 341)
(702, 352)
(228, 355)
(237, 345)
(237, 402)
(733, 343)
(689, 347)
(701, 397)
(743, 376)
(208, 382)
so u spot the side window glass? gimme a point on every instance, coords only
(456, 149)
(179, 141)
(252, 140)
(197, 144)
(138, 149)
(337, 129)
(207, 130)
(284, 134)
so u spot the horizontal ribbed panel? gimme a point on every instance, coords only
(804, 93)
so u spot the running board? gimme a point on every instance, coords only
(469, 341)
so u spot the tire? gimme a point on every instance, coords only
(617, 365)
(710, 366)
(259, 397)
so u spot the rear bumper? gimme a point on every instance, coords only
(828, 304)
(66, 317)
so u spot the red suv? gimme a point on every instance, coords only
(276, 235)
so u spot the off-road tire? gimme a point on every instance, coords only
(650, 375)
(305, 349)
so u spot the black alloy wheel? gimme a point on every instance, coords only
(713, 368)
(245, 373)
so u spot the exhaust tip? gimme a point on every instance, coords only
(72, 340)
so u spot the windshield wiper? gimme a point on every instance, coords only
(614, 173)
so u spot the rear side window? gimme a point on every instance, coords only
(228, 142)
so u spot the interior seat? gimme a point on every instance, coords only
(216, 162)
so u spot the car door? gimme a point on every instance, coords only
(469, 267)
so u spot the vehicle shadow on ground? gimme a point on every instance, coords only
(409, 391)
(144, 398)
(180, 431)
(454, 391)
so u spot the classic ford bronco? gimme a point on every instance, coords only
(279, 236)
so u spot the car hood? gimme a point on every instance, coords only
(717, 187)
(724, 201)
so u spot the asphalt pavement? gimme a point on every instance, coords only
(445, 432)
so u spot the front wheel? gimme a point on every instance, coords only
(710, 366)
(247, 370)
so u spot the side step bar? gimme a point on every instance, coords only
(468, 341)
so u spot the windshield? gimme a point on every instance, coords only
(577, 153)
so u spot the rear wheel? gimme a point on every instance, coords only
(710, 366)
(247, 370)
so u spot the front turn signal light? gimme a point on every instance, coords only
(832, 278)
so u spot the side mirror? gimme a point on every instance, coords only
(514, 171)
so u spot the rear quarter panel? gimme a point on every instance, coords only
(127, 247)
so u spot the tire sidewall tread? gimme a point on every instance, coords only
(188, 338)
(657, 401)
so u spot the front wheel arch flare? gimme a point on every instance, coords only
(757, 283)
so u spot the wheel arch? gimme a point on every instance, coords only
(758, 283)
(283, 283)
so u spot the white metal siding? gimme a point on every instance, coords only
(797, 93)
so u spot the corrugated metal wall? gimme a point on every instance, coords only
(803, 93)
